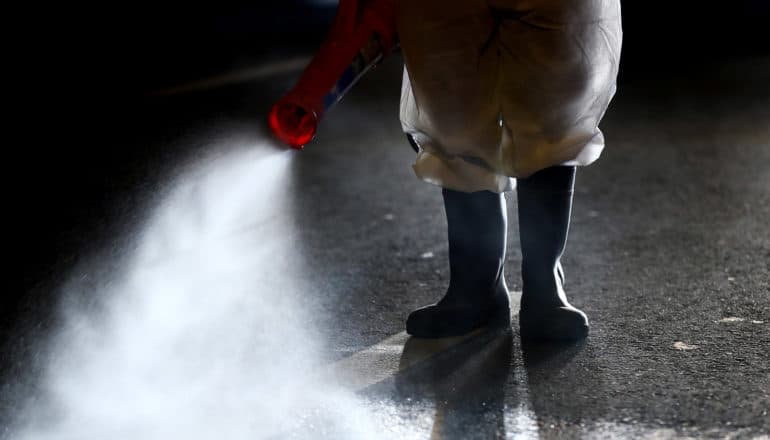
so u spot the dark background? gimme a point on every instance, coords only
(85, 74)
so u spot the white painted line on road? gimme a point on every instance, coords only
(383, 360)
(237, 77)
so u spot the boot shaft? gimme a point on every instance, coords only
(544, 207)
(477, 231)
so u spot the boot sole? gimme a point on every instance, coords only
(496, 321)
(544, 331)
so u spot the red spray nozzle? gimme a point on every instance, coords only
(363, 32)
(292, 124)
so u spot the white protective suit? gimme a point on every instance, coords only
(498, 89)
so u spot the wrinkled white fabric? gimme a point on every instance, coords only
(495, 90)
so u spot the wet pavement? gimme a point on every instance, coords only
(315, 258)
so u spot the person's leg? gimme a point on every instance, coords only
(477, 295)
(545, 204)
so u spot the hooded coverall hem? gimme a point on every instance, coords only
(467, 175)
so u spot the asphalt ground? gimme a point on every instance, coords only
(668, 255)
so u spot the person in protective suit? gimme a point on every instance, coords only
(497, 95)
(494, 92)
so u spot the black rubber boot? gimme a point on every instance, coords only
(477, 295)
(545, 204)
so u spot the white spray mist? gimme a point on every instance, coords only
(204, 333)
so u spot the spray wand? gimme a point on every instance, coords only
(362, 34)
